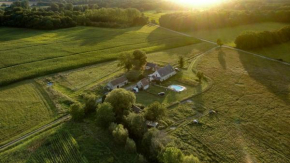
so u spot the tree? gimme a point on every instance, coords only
(120, 134)
(139, 59)
(171, 155)
(122, 101)
(155, 111)
(191, 159)
(69, 6)
(219, 42)
(125, 61)
(77, 111)
(3, 5)
(181, 61)
(130, 145)
(153, 142)
(105, 115)
(136, 124)
(54, 7)
(90, 103)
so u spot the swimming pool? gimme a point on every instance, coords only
(177, 88)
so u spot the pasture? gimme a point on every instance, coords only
(26, 53)
(23, 107)
(252, 99)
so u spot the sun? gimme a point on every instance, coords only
(199, 2)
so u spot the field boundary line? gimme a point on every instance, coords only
(226, 46)
(47, 126)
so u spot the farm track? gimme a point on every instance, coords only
(73, 54)
(226, 46)
(43, 128)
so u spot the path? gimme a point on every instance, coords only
(226, 46)
(47, 126)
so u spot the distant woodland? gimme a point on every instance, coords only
(60, 15)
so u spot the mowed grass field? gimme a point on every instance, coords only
(23, 107)
(26, 53)
(252, 99)
(228, 36)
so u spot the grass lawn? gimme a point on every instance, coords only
(23, 107)
(171, 56)
(229, 34)
(26, 53)
(281, 51)
(70, 142)
(252, 97)
(182, 78)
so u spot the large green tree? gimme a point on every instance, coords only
(155, 111)
(125, 61)
(122, 101)
(136, 124)
(90, 102)
(139, 59)
(105, 115)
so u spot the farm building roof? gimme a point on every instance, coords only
(165, 70)
(145, 81)
(119, 80)
(151, 65)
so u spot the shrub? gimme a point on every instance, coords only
(120, 134)
(77, 111)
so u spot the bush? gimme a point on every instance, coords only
(90, 103)
(77, 111)
(171, 155)
(130, 145)
(120, 134)
(105, 115)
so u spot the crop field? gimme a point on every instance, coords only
(26, 53)
(70, 142)
(23, 107)
(252, 99)
(229, 34)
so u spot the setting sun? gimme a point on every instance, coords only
(199, 2)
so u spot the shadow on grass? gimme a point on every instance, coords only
(10, 34)
(221, 58)
(273, 75)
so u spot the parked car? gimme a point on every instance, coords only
(161, 93)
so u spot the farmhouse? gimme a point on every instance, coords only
(163, 73)
(144, 83)
(118, 83)
(151, 66)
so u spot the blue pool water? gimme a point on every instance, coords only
(177, 88)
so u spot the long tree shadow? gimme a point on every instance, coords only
(275, 76)
(221, 58)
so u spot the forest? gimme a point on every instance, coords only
(59, 15)
(253, 40)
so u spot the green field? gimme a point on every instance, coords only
(23, 107)
(229, 34)
(70, 142)
(26, 53)
(252, 97)
(153, 15)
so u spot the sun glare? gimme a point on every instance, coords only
(199, 2)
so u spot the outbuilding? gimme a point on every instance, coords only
(118, 83)
(144, 84)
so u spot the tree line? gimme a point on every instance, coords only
(253, 40)
(212, 19)
(128, 129)
(59, 15)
